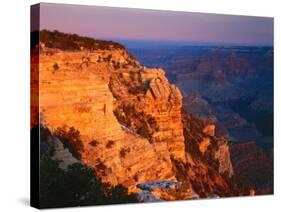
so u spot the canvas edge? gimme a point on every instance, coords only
(34, 102)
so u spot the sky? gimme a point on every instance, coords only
(137, 24)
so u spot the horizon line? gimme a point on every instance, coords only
(185, 42)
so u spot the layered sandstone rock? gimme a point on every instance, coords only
(223, 157)
(130, 122)
(76, 94)
(150, 106)
(208, 166)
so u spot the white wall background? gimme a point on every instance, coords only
(14, 104)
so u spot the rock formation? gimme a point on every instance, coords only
(150, 106)
(130, 121)
(208, 165)
(63, 155)
(81, 98)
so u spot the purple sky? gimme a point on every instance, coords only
(138, 24)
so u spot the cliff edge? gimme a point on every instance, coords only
(129, 118)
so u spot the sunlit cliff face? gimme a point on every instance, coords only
(130, 121)
(74, 91)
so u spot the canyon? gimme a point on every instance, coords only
(231, 87)
(130, 121)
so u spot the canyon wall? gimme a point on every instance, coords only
(76, 94)
(130, 120)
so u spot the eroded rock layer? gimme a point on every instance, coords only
(130, 121)
(148, 105)
(76, 94)
(208, 167)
